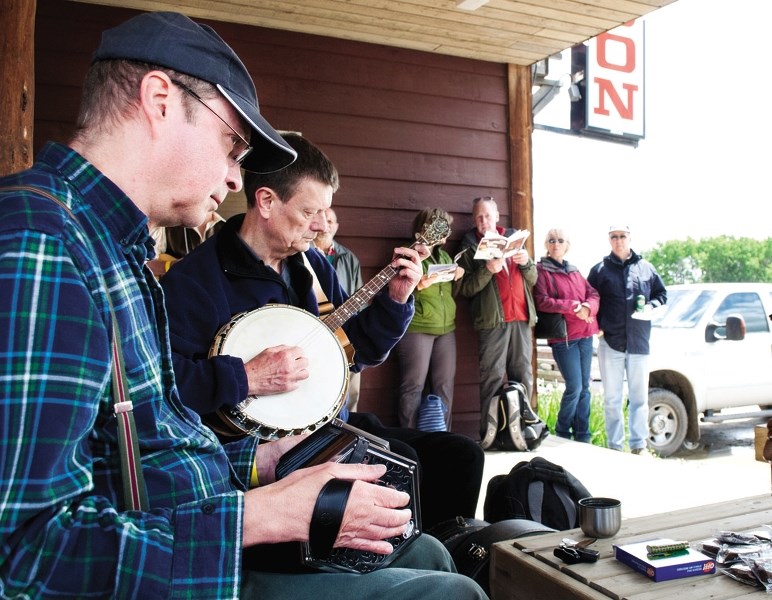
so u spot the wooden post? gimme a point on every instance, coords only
(521, 165)
(767, 452)
(17, 92)
(520, 144)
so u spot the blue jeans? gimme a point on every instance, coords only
(613, 366)
(574, 359)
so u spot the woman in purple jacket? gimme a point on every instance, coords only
(561, 288)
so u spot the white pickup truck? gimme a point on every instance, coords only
(711, 349)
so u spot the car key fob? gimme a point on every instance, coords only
(568, 555)
(572, 555)
(587, 555)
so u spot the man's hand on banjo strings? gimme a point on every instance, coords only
(276, 370)
(407, 262)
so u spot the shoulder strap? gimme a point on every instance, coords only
(568, 504)
(325, 306)
(535, 499)
(134, 491)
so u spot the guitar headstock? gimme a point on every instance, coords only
(433, 231)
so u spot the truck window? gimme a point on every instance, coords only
(684, 309)
(749, 305)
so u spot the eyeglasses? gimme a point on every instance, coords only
(556, 241)
(241, 147)
(621, 236)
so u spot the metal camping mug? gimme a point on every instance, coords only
(600, 517)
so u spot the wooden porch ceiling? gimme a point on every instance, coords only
(503, 31)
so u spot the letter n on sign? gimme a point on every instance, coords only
(615, 81)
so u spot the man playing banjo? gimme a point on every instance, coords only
(258, 259)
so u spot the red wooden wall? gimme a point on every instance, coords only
(406, 130)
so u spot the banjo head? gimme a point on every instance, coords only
(316, 400)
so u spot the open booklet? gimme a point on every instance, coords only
(440, 273)
(494, 245)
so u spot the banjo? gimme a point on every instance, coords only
(319, 398)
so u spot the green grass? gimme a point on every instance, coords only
(549, 405)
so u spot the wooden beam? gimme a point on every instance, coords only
(521, 163)
(17, 94)
(502, 31)
(521, 166)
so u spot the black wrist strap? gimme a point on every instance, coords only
(328, 516)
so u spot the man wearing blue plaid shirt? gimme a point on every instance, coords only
(169, 118)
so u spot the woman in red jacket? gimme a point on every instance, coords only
(561, 288)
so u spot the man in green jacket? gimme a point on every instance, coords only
(502, 306)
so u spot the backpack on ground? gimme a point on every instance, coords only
(469, 541)
(537, 490)
(519, 427)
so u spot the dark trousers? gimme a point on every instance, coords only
(505, 354)
(423, 356)
(450, 467)
(424, 571)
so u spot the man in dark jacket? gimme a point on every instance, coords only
(259, 259)
(620, 278)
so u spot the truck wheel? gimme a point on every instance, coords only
(667, 422)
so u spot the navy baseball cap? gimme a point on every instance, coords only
(172, 40)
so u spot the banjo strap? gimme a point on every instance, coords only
(325, 308)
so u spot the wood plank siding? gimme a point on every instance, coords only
(406, 129)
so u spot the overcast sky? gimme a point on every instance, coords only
(705, 165)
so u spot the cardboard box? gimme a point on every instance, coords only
(759, 439)
(663, 569)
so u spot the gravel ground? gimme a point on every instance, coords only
(721, 438)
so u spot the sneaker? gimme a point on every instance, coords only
(638, 451)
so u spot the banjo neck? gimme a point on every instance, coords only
(359, 299)
(433, 231)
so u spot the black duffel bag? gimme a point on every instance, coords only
(469, 541)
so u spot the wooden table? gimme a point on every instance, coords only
(526, 569)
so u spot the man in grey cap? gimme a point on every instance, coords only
(624, 278)
(169, 117)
